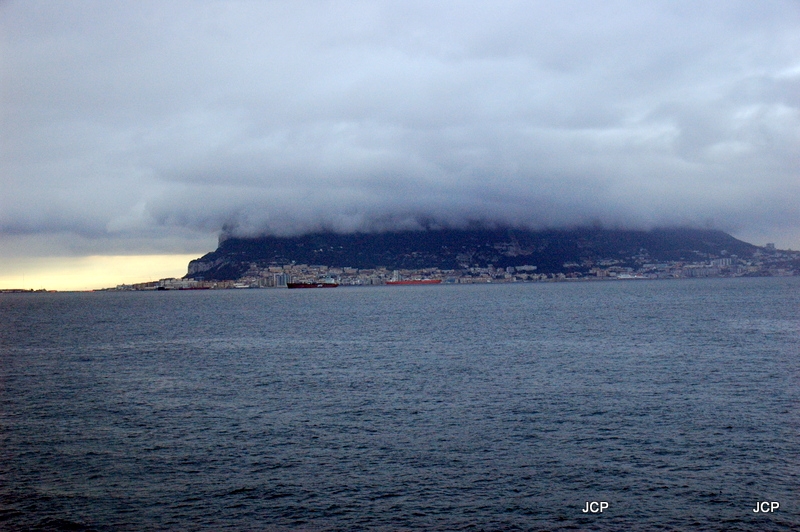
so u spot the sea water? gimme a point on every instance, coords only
(620, 405)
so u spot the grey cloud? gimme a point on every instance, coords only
(146, 121)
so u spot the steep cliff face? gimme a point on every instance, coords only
(455, 249)
(199, 266)
(216, 267)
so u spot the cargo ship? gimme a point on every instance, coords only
(416, 281)
(312, 285)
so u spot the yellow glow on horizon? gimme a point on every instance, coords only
(89, 273)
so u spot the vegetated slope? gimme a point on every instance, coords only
(452, 249)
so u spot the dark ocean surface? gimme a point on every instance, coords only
(492, 407)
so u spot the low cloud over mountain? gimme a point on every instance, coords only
(140, 126)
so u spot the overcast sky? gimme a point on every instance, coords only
(142, 127)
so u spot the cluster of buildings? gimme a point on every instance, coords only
(769, 262)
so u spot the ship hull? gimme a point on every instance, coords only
(311, 285)
(416, 281)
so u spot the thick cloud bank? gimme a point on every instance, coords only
(141, 122)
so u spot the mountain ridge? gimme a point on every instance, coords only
(551, 251)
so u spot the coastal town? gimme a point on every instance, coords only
(766, 262)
